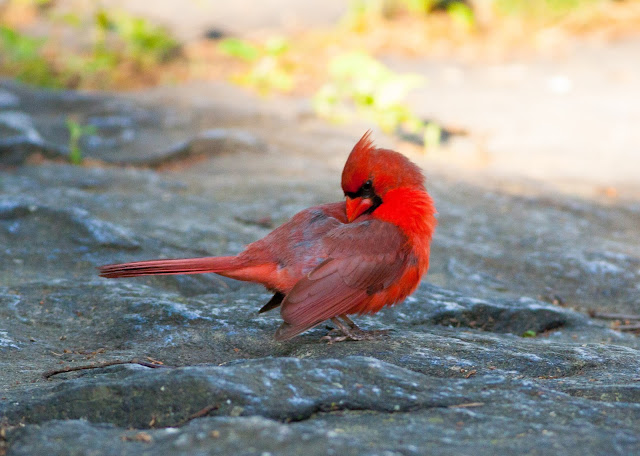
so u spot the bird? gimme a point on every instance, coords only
(333, 260)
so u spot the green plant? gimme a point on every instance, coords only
(462, 14)
(144, 42)
(119, 40)
(529, 333)
(361, 86)
(240, 49)
(36, 3)
(361, 11)
(269, 67)
(133, 38)
(542, 9)
(76, 132)
(432, 134)
(20, 56)
(417, 6)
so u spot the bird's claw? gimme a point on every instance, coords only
(355, 334)
(333, 339)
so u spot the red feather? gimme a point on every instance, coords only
(325, 266)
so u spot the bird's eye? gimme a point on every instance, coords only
(367, 185)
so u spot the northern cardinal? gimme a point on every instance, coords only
(333, 260)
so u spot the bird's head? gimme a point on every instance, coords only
(370, 173)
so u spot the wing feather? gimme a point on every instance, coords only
(364, 258)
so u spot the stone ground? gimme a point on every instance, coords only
(539, 221)
(205, 169)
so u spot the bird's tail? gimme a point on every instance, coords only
(169, 267)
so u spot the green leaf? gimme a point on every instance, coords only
(276, 46)
(103, 20)
(76, 131)
(432, 135)
(239, 48)
(360, 84)
(462, 14)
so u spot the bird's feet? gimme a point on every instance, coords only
(350, 331)
(361, 334)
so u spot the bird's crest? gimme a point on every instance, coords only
(356, 169)
(386, 169)
(364, 145)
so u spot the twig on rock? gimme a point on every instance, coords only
(634, 327)
(64, 370)
(613, 316)
(200, 413)
(467, 405)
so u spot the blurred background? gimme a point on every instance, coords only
(540, 91)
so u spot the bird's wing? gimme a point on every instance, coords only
(364, 258)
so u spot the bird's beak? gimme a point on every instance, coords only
(356, 206)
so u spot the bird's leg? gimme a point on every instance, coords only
(363, 333)
(351, 331)
(339, 325)
(349, 321)
(340, 328)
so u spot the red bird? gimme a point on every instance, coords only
(336, 259)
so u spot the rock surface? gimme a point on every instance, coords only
(455, 375)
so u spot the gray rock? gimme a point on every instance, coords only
(454, 376)
(515, 417)
(285, 389)
(8, 99)
(125, 132)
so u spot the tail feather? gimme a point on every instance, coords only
(169, 267)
